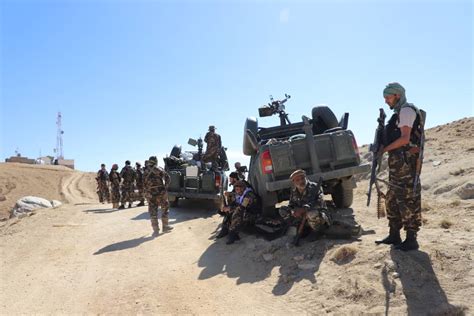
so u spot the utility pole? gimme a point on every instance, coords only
(59, 138)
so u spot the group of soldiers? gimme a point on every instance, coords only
(151, 183)
(306, 209)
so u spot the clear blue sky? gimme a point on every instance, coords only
(132, 78)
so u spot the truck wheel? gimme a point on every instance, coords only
(343, 194)
(323, 119)
(251, 124)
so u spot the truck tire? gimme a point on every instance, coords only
(252, 125)
(176, 151)
(343, 194)
(323, 119)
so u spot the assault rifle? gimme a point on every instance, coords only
(374, 148)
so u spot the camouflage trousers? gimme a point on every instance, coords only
(115, 193)
(402, 202)
(127, 193)
(239, 218)
(158, 201)
(211, 155)
(103, 191)
(317, 220)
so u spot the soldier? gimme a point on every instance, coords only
(240, 170)
(229, 199)
(114, 178)
(139, 182)
(306, 204)
(128, 175)
(213, 147)
(243, 212)
(403, 200)
(102, 185)
(156, 182)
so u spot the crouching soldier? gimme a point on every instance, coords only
(306, 208)
(243, 212)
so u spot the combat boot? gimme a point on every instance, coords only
(224, 232)
(410, 242)
(154, 225)
(121, 207)
(393, 237)
(232, 237)
(166, 227)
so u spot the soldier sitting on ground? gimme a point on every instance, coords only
(243, 212)
(306, 205)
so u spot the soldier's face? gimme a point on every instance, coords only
(392, 100)
(300, 181)
(239, 190)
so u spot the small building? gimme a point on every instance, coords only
(19, 159)
(65, 162)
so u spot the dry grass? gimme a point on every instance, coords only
(445, 223)
(344, 254)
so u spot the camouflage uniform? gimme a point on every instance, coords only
(102, 185)
(128, 175)
(114, 178)
(317, 217)
(213, 148)
(244, 211)
(403, 204)
(156, 181)
(140, 184)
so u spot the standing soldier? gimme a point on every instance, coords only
(156, 182)
(139, 182)
(114, 178)
(128, 175)
(213, 147)
(403, 200)
(240, 170)
(102, 185)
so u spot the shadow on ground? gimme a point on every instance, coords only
(127, 244)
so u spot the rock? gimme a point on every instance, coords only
(29, 203)
(56, 203)
(377, 265)
(2, 198)
(466, 191)
(395, 275)
(298, 258)
(291, 231)
(391, 266)
(306, 266)
(267, 257)
(436, 163)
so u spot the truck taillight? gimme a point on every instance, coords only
(354, 144)
(267, 165)
(218, 180)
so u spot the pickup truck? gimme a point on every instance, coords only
(320, 145)
(191, 178)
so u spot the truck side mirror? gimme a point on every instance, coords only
(192, 142)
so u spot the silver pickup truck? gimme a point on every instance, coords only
(322, 146)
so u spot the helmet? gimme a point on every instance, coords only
(152, 161)
(212, 128)
(127, 162)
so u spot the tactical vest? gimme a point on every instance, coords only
(392, 132)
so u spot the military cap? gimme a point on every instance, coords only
(298, 172)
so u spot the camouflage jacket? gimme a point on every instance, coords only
(114, 178)
(213, 140)
(139, 178)
(249, 202)
(309, 199)
(102, 175)
(156, 180)
(128, 174)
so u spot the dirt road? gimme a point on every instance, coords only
(87, 258)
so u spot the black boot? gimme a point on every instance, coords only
(121, 207)
(224, 232)
(142, 203)
(129, 205)
(393, 237)
(410, 242)
(233, 237)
